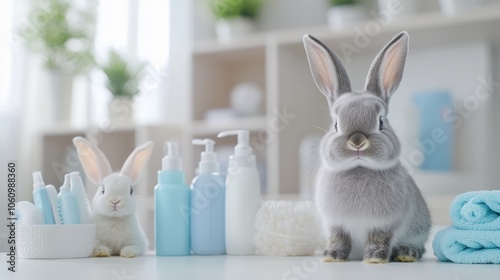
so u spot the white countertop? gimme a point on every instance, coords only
(239, 267)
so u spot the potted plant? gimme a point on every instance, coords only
(63, 35)
(235, 17)
(342, 12)
(123, 80)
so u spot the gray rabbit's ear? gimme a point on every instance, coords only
(135, 162)
(327, 69)
(94, 162)
(386, 71)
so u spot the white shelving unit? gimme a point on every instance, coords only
(276, 61)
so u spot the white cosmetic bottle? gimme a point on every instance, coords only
(243, 197)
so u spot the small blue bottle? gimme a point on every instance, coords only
(208, 204)
(41, 198)
(67, 204)
(172, 207)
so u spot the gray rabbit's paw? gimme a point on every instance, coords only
(334, 256)
(101, 251)
(129, 252)
(406, 254)
(375, 260)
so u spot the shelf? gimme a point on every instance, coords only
(479, 23)
(214, 127)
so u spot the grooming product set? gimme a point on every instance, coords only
(56, 209)
(216, 216)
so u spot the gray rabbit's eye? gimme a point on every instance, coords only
(131, 191)
(380, 124)
(336, 129)
(102, 189)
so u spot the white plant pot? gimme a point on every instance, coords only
(121, 109)
(451, 7)
(339, 16)
(398, 9)
(60, 96)
(228, 29)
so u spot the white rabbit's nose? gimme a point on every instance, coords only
(358, 142)
(116, 201)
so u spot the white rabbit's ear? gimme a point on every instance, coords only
(327, 69)
(386, 71)
(94, 162)
(135, 162)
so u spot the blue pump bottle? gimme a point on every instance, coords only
(208, 204)
(172, 207)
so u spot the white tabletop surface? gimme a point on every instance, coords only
(240, 267)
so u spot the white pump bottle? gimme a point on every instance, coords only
(243, 197)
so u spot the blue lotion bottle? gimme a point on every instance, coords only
(172, 207)
(67, 204)
(41, 198)
(208, 198)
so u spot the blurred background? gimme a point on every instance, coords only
(124, 72)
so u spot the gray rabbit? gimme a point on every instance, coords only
(369, 205)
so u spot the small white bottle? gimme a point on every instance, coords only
(243, 197)
(67, 204)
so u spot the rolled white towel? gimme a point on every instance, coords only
(287, 228)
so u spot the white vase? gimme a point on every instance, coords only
(341, 15)
(398, 9)
(60, 96)
(121, 109)
(228, 29)
(451, 7)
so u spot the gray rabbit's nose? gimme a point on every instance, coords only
(358, 142)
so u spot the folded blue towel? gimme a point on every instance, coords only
(467, 246)
(476, 210)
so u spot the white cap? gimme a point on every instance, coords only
(172, 161)
(38, 180)
(65, 187)
(242, 151)
(208, 162)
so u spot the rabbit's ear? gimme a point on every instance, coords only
(93, 160)
(327, 69)
(135, 162)
(386, 71)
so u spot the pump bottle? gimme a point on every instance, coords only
(243, 196)
(172, 207)
(207, 204)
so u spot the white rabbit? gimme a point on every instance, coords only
(369, 205)
(118, 231)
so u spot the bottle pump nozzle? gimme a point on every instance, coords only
(208, 162)
(242, 151)
(172, 161)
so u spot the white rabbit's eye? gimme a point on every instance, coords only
(131, 191)
(380, 124)
(102, 190)
(336, 127)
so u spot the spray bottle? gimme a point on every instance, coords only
(172, 207)
(207, 204)
(243, 196)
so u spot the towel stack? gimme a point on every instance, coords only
(474, 236)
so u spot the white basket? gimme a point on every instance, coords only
(55, 241)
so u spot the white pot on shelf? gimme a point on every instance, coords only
(341, 15)
(228, 29)
(399, 9)
(121, 110)
(60, 96)
(451, 7)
